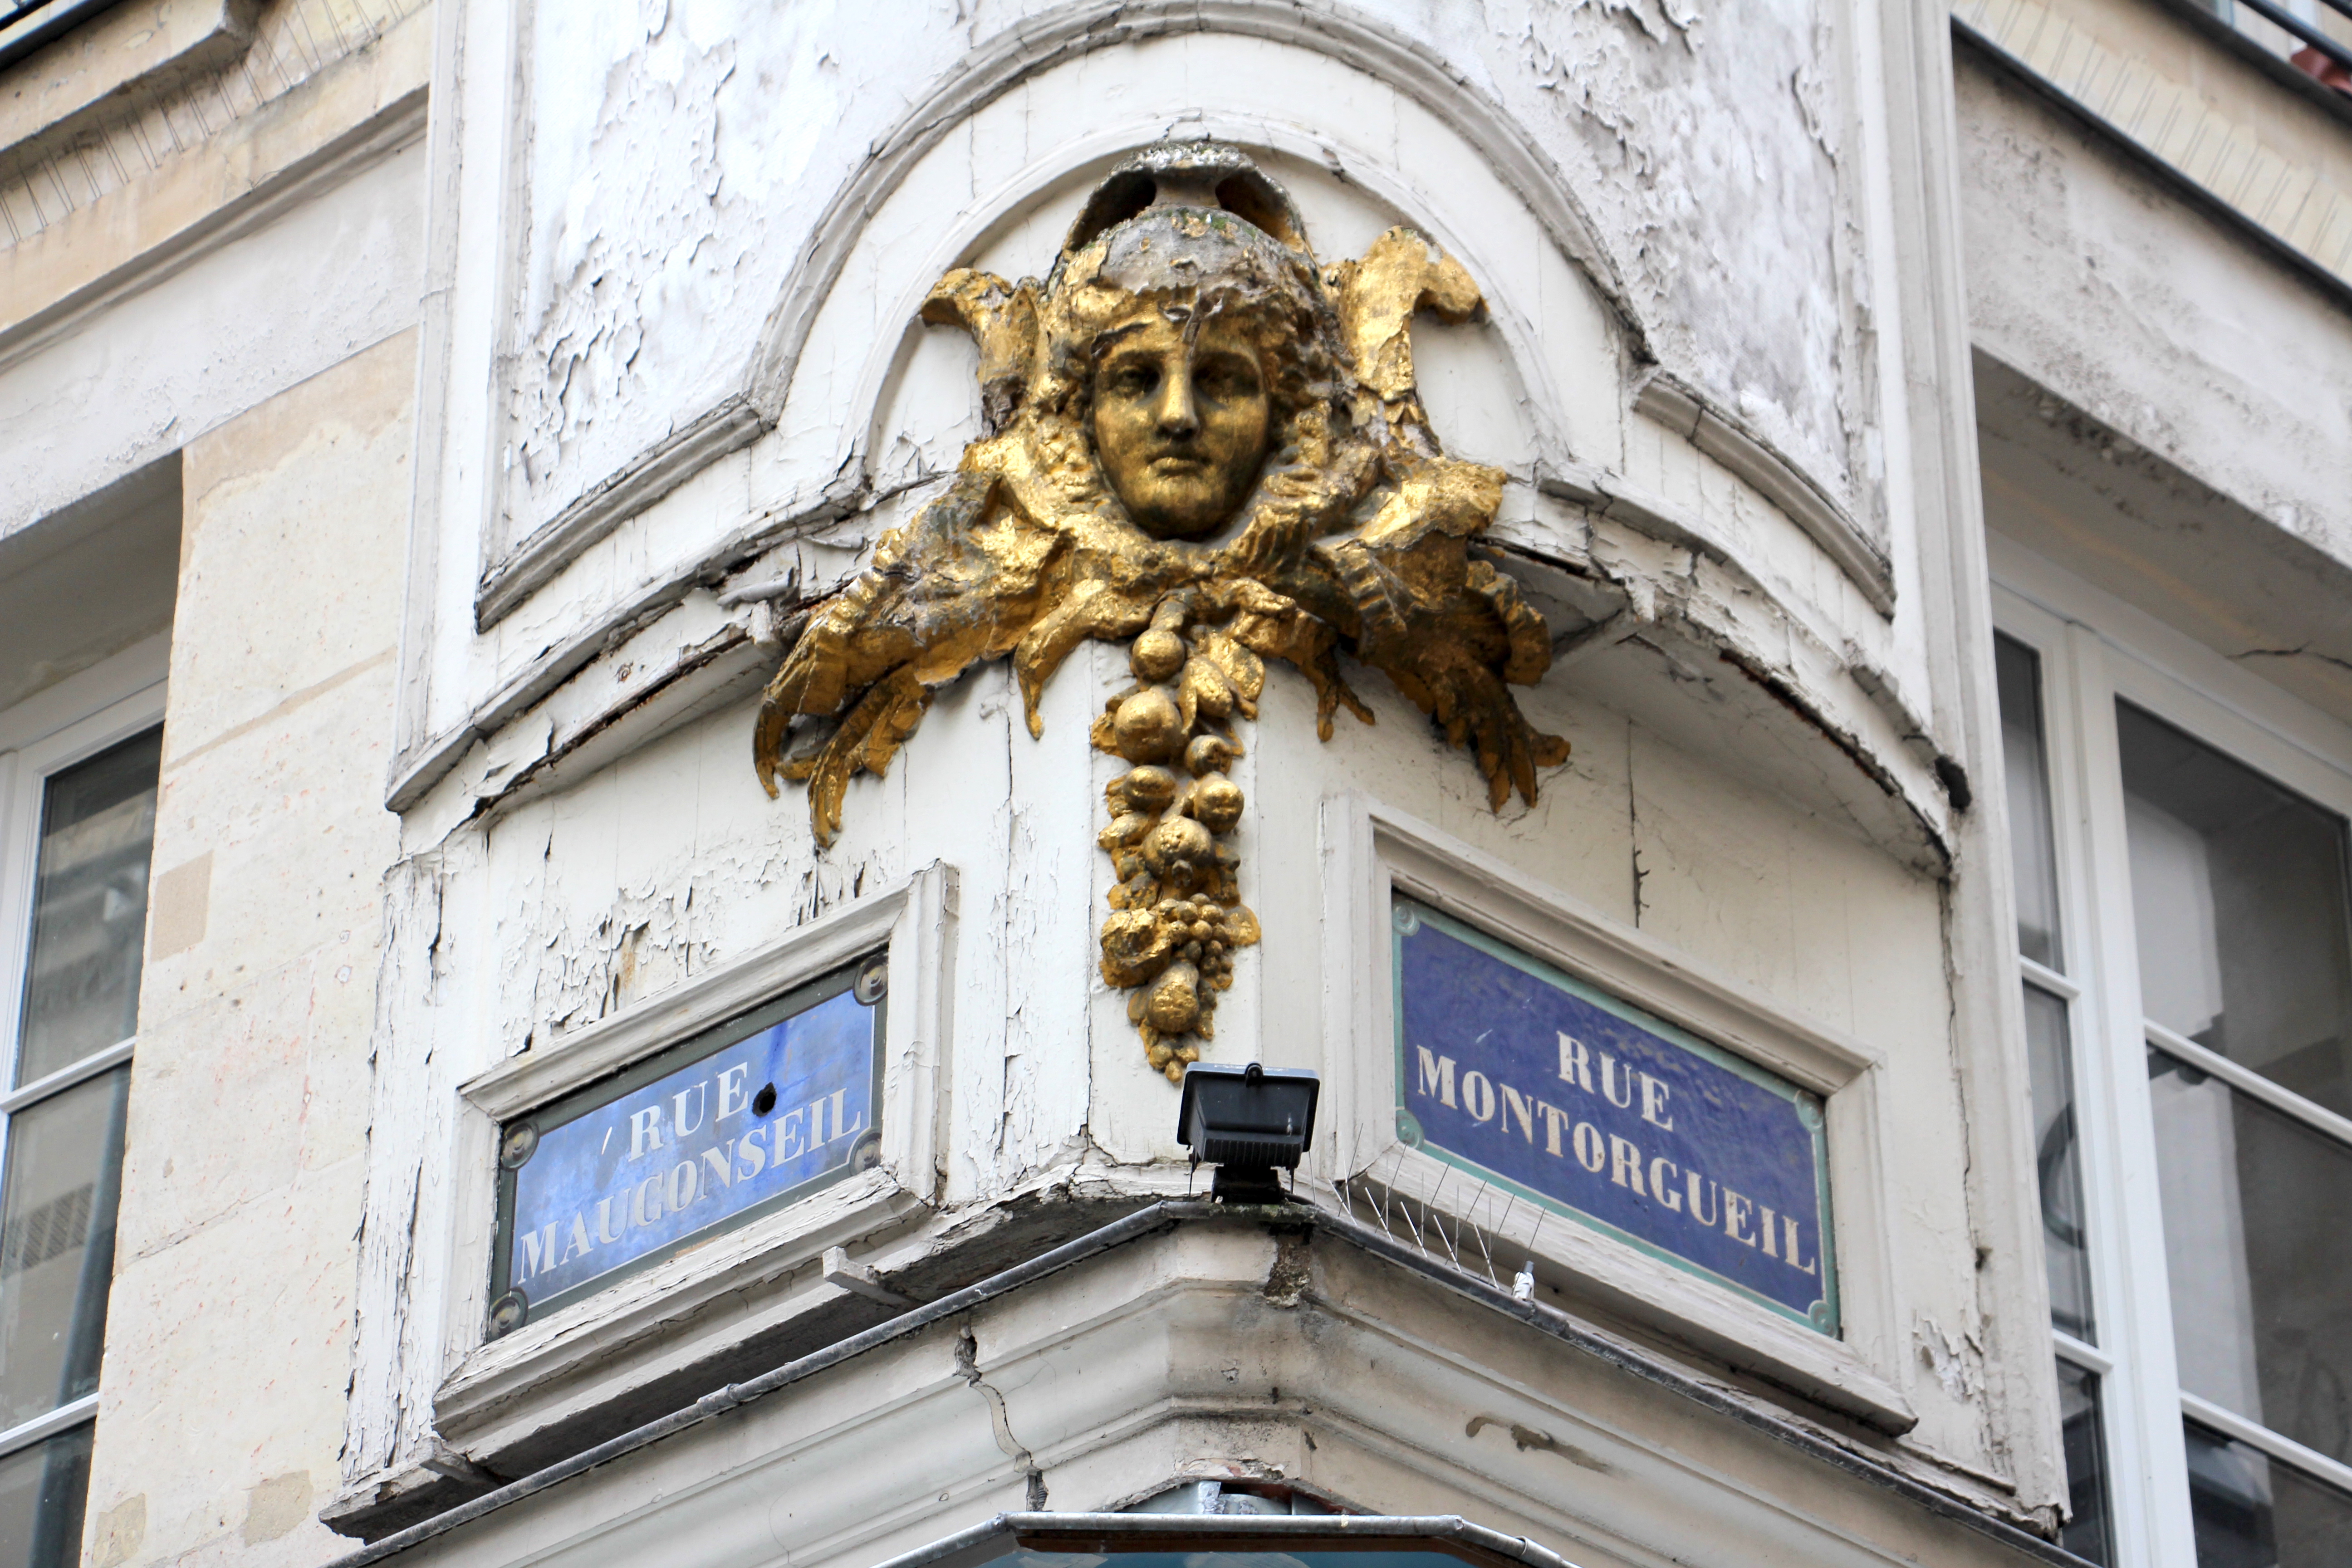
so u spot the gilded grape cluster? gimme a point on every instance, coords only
(1178, 915)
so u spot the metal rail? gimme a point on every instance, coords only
(2309, 32)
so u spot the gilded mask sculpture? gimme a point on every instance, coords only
(1203, 445)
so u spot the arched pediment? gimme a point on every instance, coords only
(991, 167)
(849, 399)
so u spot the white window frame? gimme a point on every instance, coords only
(42, 736)
(2093, 649)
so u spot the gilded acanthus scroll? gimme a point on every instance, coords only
(1200, 444)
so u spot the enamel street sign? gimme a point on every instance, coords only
(728, 1124)
(1541, 1084)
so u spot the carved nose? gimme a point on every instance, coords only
(1176, 414)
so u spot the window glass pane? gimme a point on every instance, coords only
(57, 1243)
(2238, 900)
(2058, 1162)
(2026, 769)
(2253, 1512)
(90, 907)
(2088, 1533)
(2257, 1213)
(42, 1489)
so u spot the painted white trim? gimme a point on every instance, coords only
(24, 771)
(2286, 1450)
(63, 1418)
(728, 427)
(2096, 650)
(1725, 437)
(2245, 1080)
(126, 675)
(2087, 1356)
(546, 1367)
(67, 1077)
(1368, 852)
(2047, 979)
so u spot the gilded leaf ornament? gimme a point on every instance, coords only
(1200, 444)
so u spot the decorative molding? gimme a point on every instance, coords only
(1681, 408)
(995, 69)
(553, 1370)
(1334, 524)
(1020, 52)
(113, 61)
(168, 91)
(697, 1480)
(398, 125)
(552, 1071)
(731, 426)
(415, 771)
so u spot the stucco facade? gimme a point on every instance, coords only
(514, 385)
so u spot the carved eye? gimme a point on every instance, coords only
(1135, 379)
(1225, 379)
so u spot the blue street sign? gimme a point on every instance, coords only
(759, 1111)
(1595, 1110)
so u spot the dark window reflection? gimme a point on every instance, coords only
(2089, 1532)
(2251, 1512)
(2025, 766)
(2237, 903)
(2058, 1162)
(2258, 1237)
(57, 1243)
(90, 907)
(42, 1489)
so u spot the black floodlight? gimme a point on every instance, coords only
(1247, 1121)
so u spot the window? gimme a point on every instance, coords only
(79, 810)
(26, 25)
(2184, 926)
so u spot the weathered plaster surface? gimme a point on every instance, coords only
(176, 360)
(2090, 278)
(678, 160)
(1715, 150)
(1221, 1354)
(229, 1332)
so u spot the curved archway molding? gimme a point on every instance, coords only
(1015, 58)
(971, 178)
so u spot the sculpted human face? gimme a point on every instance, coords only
(1180, 428)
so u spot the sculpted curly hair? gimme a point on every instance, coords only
(1198, 265)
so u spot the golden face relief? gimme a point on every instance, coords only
(1020, 559)
(1181, 422)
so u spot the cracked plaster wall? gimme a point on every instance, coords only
(229, 1326)
(679, 152)
(675, 165)
(2091, 279)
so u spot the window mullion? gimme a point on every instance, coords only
(2149, 1454)
(2255, 1436)
(2285, 1101)
(2086, 1356)
(66, 1077)
(40, 1428)
(2050, 980)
